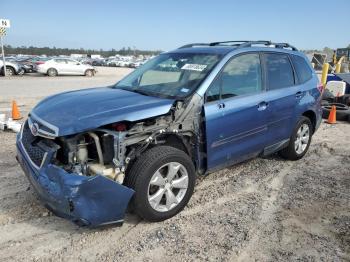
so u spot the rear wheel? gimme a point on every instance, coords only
(299, 141)
(163, 179)
(52, 72)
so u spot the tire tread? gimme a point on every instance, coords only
(144, 163)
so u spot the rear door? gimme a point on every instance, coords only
(282, 96)
(61, 65)
(235, 112)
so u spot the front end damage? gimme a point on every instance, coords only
(83, 176)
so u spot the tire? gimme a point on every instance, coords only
(291, 152)
(342, 114)
(324, 103)
(89, 73)
(345, 99)
(21, 72)
(52, 72)
(146, 169)
(10, 71)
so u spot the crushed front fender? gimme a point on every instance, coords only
(90, 201)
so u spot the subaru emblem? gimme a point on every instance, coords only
(34, 129)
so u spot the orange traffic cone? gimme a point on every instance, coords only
(332, 118)
(15, 111)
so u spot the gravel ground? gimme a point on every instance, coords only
(265, 209)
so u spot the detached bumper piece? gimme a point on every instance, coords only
(87, 201)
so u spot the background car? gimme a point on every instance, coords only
(26, 63)
(12, 68)
(98, 62)
(64, 66)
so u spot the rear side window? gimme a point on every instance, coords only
(302, 69)
(279, 71)
(61, 61)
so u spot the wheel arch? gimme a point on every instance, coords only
(9, 66)
(180, 142)
(312, 116)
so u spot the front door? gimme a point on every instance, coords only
(236, 112)
(74, 67)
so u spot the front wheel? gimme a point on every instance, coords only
(9, 71)
(299, 141)
(21, 72)
(89, 73)
(163, 179)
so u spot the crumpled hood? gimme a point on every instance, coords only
(82, 110)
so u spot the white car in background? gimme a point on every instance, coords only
(64, 66)
(123, 63)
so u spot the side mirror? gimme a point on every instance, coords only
(78, 63)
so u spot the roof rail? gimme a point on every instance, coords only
(243, 43)
(235, 42)
(192, 45)
(285, 45)
(268, 43)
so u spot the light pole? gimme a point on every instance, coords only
(3, 54)
(4, 23)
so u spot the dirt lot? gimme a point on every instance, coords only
(261, 210)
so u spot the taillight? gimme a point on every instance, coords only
(39, 62)
(320, 88)
(120, 127)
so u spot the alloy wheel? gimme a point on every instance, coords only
(302, 139)
(168, 187)
(9, 72)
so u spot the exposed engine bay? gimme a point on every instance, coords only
(108, 150)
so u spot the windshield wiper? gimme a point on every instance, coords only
(140, 92)
(135, 90)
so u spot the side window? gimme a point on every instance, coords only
(240, 76)
(279, 71)
(213, 93)
(60, 61)
(71, 62)
(302, 69)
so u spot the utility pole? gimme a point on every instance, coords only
(3, 54)
(4, 23)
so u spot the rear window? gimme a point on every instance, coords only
(279, 71)
(302, 69)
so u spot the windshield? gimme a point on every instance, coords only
(175, 75)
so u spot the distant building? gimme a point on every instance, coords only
(78, 55)
(96, 56)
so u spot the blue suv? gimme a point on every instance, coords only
(187, 112)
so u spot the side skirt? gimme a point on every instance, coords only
(275, 147)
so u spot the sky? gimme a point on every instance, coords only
(165, 25)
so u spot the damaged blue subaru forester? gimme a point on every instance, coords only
(187, 112)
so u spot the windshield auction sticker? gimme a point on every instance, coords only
(194, 67)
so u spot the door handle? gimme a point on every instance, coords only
(298, 94)
(221, 105)
(262, 106)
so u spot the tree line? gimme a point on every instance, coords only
(53, 51)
